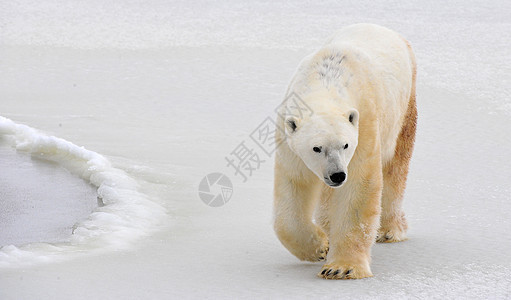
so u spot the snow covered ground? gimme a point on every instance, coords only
(163, 91)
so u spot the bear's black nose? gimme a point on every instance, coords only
(338, 177)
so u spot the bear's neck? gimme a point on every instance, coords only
(329, 70)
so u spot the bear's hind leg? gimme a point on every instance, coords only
(393, 223)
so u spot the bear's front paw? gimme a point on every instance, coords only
(315, 249)
(344, 271)
(310, 243)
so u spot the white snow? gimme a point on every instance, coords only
(165, 90)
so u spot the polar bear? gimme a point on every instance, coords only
(346, 132)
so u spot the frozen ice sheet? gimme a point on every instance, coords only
(40, 200)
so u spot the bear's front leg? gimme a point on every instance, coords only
(293, 206)
(354, 219)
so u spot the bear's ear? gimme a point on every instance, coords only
(291, 124)
(353, 116)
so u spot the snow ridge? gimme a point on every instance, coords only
(127, 214)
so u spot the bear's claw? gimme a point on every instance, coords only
(337, 274)
(390, 237)
(323, 254)
(335, 271)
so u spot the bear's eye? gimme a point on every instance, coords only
(346, 146)
(317, 149)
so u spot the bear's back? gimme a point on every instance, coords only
(392, 64)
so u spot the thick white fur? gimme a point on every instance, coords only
(366, 71)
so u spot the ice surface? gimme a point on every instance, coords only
(164, 90)
(41, 201)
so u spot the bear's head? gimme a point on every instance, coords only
(325, 143)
